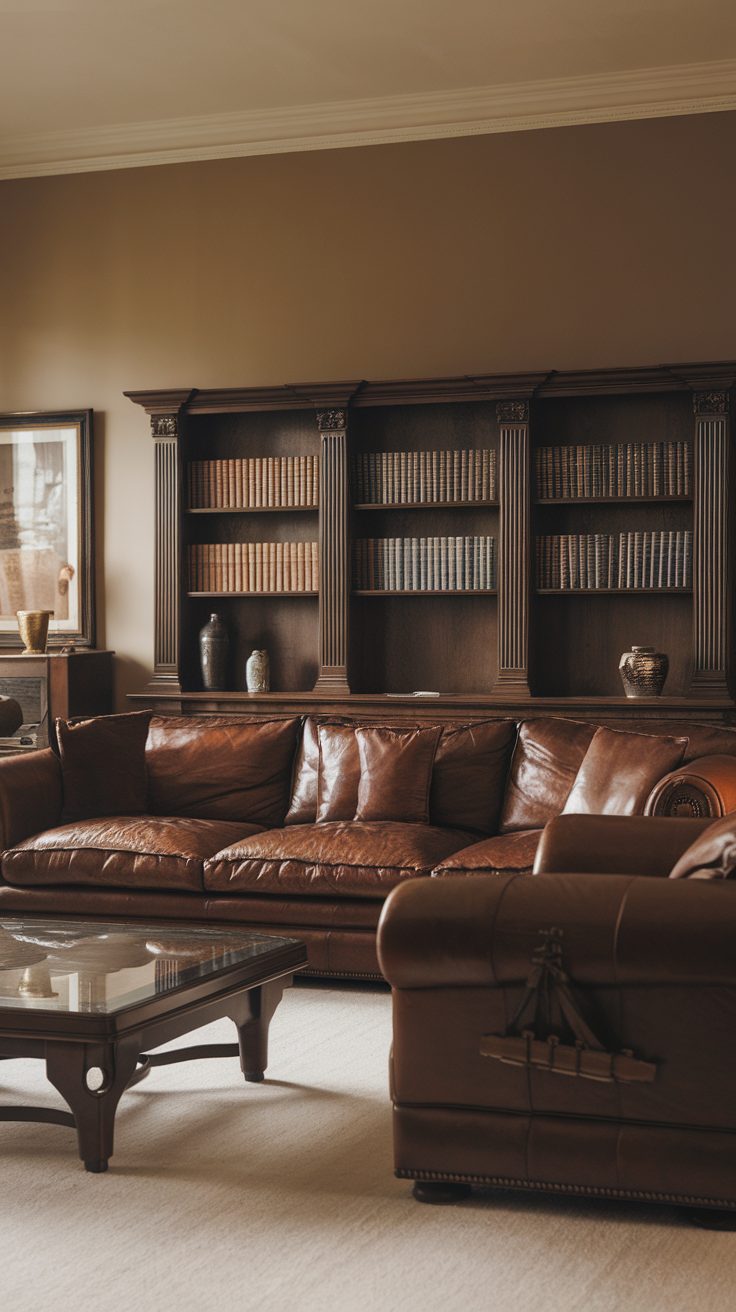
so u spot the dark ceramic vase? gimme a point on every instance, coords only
(214, 654)
(643, 671)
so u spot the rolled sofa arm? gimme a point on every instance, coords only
(30, 795)
(615, 930)
(706, 787)
(615, 844)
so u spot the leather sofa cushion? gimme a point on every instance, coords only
(221, 768)
(338, 778)
(469, 775)
(103, 765)
(303, 805)
(122, 851)
(495, 855)
(548, 755)
(620, 770)
(712, 855)
(396, 774)
(347, 858)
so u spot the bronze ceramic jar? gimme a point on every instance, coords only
(643, 671)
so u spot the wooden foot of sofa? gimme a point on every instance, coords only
(440, 1191)
(713, 1218)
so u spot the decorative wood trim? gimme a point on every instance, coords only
(711, 571)
(513, 550)
(334, 584)
(165, 432)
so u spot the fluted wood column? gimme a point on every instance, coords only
(513, 549)
(711, 572)
(165, 433)
(333, 553)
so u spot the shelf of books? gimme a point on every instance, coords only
(267, 483)
(431, 565)
(240, 568)
(627, 471)
(385, 479)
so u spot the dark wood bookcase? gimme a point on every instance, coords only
(514, 647)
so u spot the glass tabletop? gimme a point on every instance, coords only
(93, 966)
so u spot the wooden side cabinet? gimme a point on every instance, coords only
(54, 686)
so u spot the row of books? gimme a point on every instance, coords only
(607, 560)
(253, 567)
(398, 477)
(632, 469)
(250, 484)
(437, 564)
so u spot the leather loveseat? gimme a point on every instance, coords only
(304, 825)
(572, 1032)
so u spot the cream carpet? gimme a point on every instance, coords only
(232, 1197)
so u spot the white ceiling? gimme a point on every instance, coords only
(88, 84)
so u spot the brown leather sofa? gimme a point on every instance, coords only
(571, 1032)
(253, 820)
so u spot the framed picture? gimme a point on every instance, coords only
(46, 542)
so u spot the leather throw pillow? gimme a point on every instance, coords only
(619, 771)
(339, 773)
(396, 773)
(712, 855)
(103, 766)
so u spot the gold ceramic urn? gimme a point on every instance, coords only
(34, 629)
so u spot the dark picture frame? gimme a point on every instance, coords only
(46, 525)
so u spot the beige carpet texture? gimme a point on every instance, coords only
(225, 1196)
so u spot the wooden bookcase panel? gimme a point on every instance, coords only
(444, 642)
(285, 625)
(586, 633)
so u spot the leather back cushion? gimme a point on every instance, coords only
(713, 855)
(469, 775)
(396, 773)
(620, 770)
(221, 768)
(103, 766)
(548, 755)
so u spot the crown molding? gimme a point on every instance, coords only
(515, 107)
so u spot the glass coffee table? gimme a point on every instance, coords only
(90, 997)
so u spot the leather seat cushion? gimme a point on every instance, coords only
(348, 858)
(495, 855)
(122, 851)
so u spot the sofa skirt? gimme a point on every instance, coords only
(340, 935)
(603, 1159)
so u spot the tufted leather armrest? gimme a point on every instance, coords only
(615, 844)
(30, 796)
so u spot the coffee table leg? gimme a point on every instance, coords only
(252, 1015)
(67, 1065)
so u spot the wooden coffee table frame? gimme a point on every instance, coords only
(73, 1043)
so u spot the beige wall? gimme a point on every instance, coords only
(572, 248)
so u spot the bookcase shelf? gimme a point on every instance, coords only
(425, 592)
(622, 592)
(528, 646)
(424, 505)
(251, 510)
(271, 592)
(602, 501)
